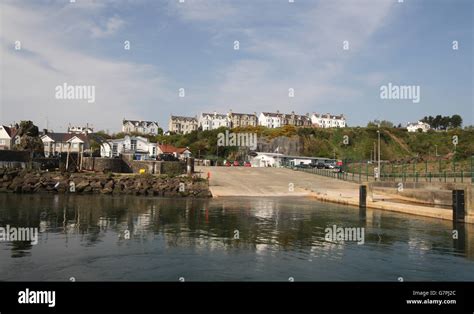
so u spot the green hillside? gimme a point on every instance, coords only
(347, 143)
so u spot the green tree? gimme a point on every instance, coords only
(456, 121)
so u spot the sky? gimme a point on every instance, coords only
(190, 45)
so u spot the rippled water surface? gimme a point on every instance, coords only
(85, 237)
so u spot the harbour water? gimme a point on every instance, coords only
(131, 238)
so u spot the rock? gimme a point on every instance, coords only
(106, 190)
(96, 186)
(26, 188)
(62, 186)
(82, 185)
(25, 181)
(109, 184)
(32, 180)
(38, 187)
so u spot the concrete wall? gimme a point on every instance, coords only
(434, 193)
(159, 167)
(128, 166)
(101, 164)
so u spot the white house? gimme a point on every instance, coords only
(8, 137)
(212, 121)
(414, 127)
(270, 120)
(139, 146)
(57, 143)
(80, 129)
(328, 121)
(139, 126)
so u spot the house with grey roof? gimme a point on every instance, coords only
(140, 126)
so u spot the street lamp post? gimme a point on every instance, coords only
(378, 164)
(374, 157)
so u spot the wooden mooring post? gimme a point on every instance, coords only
(459, 210)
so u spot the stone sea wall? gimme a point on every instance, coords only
(24, 181)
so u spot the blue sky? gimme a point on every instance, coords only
(190, 45)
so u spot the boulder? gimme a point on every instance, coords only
(82, 185)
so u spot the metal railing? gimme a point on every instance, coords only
(438, 171)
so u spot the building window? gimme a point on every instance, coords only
(133, 145)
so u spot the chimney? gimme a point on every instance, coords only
(45, 131)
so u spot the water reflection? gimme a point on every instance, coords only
(272, 233)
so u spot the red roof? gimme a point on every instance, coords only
(169, 149)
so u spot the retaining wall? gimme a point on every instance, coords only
(434, 193)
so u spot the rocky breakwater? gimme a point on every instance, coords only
(23, 181)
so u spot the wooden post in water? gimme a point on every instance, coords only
(82, 156)
(362, 196)
(458, 206)
(189, 166)
(67, 156)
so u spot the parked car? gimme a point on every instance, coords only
(236, 163)
(228, 164)
(247, 164)
(320, 165)
(329, 165)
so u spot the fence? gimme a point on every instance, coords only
(426, 171)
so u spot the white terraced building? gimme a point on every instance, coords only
(328, 121)
(276, 120)
(270, 119)
(139, 126)
(212, 121)
(182, 125)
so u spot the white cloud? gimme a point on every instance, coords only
(30, 75)
(304, 53)
(113, 24)
(301, 49)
